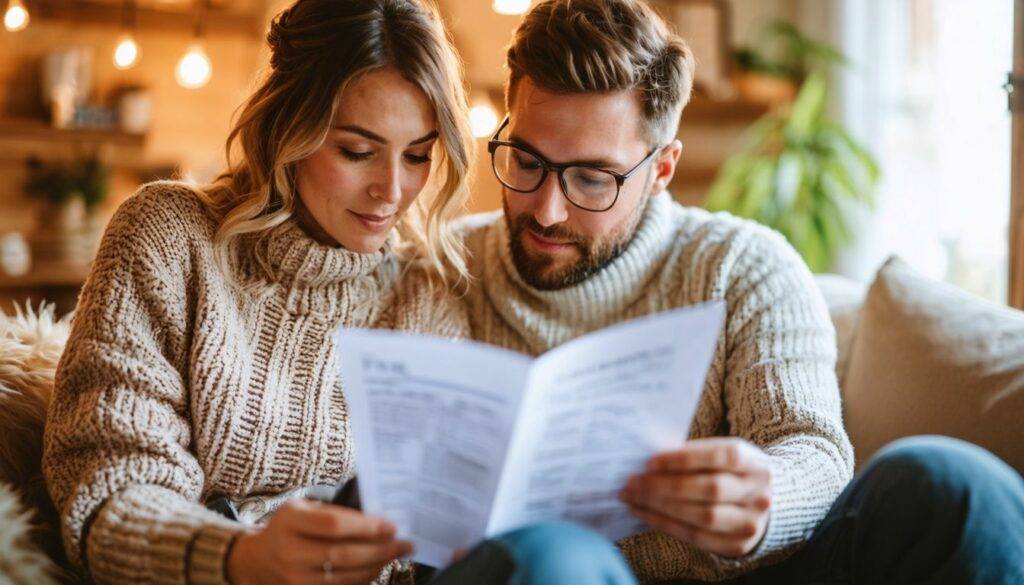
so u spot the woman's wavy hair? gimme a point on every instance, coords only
(319, 47)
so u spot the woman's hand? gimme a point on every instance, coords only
(311, 542)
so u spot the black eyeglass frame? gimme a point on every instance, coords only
(559, 169)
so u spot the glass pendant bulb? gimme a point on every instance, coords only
(511, 6)
(483, 120)
(194, 68)
(16, 16)
(127, 53)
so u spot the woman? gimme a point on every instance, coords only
(200, 363)
(199, 366)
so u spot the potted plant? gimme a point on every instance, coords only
(69, 229)
(772, 71)
(799, 173)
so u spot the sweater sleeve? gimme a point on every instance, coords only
(116, 454)
(780, 393)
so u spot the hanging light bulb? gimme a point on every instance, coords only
(483, 120)
(127, 52)
(511, 6)
(16, 16)
(194, 68)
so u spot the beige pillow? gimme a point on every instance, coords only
(844, 298)
(929, 358)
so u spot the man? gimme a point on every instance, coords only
(589, 237)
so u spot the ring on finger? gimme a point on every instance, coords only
(328, 569)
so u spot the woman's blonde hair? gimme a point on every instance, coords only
(319, 47)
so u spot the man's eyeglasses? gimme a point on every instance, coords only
(588, 187)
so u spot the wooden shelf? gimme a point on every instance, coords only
(703, 109)
(702, 175)
(36, 129)
(217, 17)
(47, 274)
(21, 138)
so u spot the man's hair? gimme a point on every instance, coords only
(584, 46)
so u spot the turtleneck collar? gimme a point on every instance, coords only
(328, 281)
(588, 305)
(296, 259)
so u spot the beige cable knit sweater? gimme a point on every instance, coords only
(174, 386)
(771, 381)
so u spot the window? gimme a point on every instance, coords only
(925, 91)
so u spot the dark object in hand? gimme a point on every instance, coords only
(348, 495)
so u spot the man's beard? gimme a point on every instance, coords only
(594, 256)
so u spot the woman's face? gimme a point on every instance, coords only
(371, 167)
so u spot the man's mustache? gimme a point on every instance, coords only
(554, 232)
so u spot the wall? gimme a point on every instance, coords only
(189, 126)
(482, 37)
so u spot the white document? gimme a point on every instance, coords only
(457, 441)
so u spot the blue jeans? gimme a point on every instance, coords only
(550, 552)
(925, 510)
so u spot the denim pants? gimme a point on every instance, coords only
(549, 552)
(924, 510)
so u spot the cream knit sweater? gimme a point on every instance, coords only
(174, 386)
(771, 380)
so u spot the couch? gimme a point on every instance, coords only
(915, 356)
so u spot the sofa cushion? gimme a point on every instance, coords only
(929, 358)
(844, 297)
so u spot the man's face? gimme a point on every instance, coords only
(555, 244)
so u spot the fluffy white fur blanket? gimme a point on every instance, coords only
(31, 343)
(21, 561)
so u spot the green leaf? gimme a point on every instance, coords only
(817, 253)
(807, 108)
(801, 174)
(837, 230)
(788, 179)
(839, 175)
(728, 185)
(759, 189)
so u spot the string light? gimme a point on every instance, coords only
(511, 6)
(127, 52)
(195, 69)
(483, 120)
(16, 16)
(126, 55)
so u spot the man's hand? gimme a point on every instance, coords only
(713, 493)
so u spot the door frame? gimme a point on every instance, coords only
(1016, 84)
